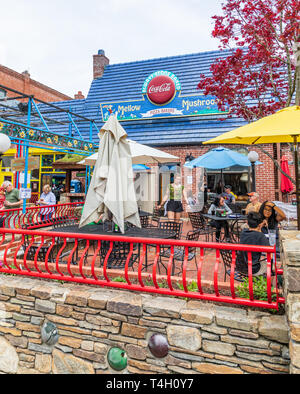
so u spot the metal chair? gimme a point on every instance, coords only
(227, 259)
(31, 248)
(172, 226)
(179, 251)
(145, 223)
(241, 266)
(118, 255)
(155, 218)
(199, 223)
(65, 222)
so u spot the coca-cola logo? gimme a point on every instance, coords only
(161, 90)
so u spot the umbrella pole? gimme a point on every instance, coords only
(297, 180)
(222, 183)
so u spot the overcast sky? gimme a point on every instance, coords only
(55, 40)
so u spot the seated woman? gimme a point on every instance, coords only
(47, 198)
(272, 215)
(220, 205)
(252, 236)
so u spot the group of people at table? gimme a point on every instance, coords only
(10, 199)
(269, 214)
(262, 217)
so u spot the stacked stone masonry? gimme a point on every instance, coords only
(202, 337)
(290, 244)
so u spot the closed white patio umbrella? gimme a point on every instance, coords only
(111, 190)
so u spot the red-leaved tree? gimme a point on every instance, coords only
(258, 75)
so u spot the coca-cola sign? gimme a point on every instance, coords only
(160, 87)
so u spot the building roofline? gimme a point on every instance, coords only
(171, 57)
(34, 82)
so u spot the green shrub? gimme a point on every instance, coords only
(119, 279)
(259, 289)
(192, 286)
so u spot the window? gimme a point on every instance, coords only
(237, 180)
(35, 174)
(59, 156)
(47, 160)
(6, 161)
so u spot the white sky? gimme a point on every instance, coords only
(55, 40)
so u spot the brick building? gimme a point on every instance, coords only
(158, 104)
(22, 82)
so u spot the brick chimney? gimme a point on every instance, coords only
(26, 74)
(26, 82)
(79, 96)
(100, 62)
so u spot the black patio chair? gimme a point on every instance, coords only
(241, 266)
(155, 217)
(145, 222)
(199, 222)
(174, 226)
(65, 222)
(33, 250)
(179, 252)
(118, 255)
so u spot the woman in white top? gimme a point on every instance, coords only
(47, 198)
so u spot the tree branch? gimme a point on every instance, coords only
(276, 164)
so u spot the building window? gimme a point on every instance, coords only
(2, 93)
(47, 160)
(59, 156)
(6, 161)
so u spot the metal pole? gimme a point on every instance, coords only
(26, 149)
(297, 180)
(253, 177)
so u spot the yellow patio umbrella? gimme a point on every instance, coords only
(283, 126)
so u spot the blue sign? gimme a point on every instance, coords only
(179, 106)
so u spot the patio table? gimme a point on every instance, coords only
(233, 220)
(130, 232)
(100, 229)
(144, 213)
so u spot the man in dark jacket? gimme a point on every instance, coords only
(252, 236)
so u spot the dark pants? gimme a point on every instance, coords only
(218, 224)
(2, 220)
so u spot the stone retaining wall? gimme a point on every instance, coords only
(202, 337)
(291, 272)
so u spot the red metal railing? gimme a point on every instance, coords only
(90, 259)
(38, 216)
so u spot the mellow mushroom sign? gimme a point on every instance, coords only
(161, 98)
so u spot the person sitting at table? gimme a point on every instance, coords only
(219, 206)
(272, 215)
(47, 198)
(252, 236)
(228, 195)
(254, 204)
(2, 199)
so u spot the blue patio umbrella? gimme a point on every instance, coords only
(219, 158)
(140, 167)
(168, 168)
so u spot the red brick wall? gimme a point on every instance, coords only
(24, 84)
